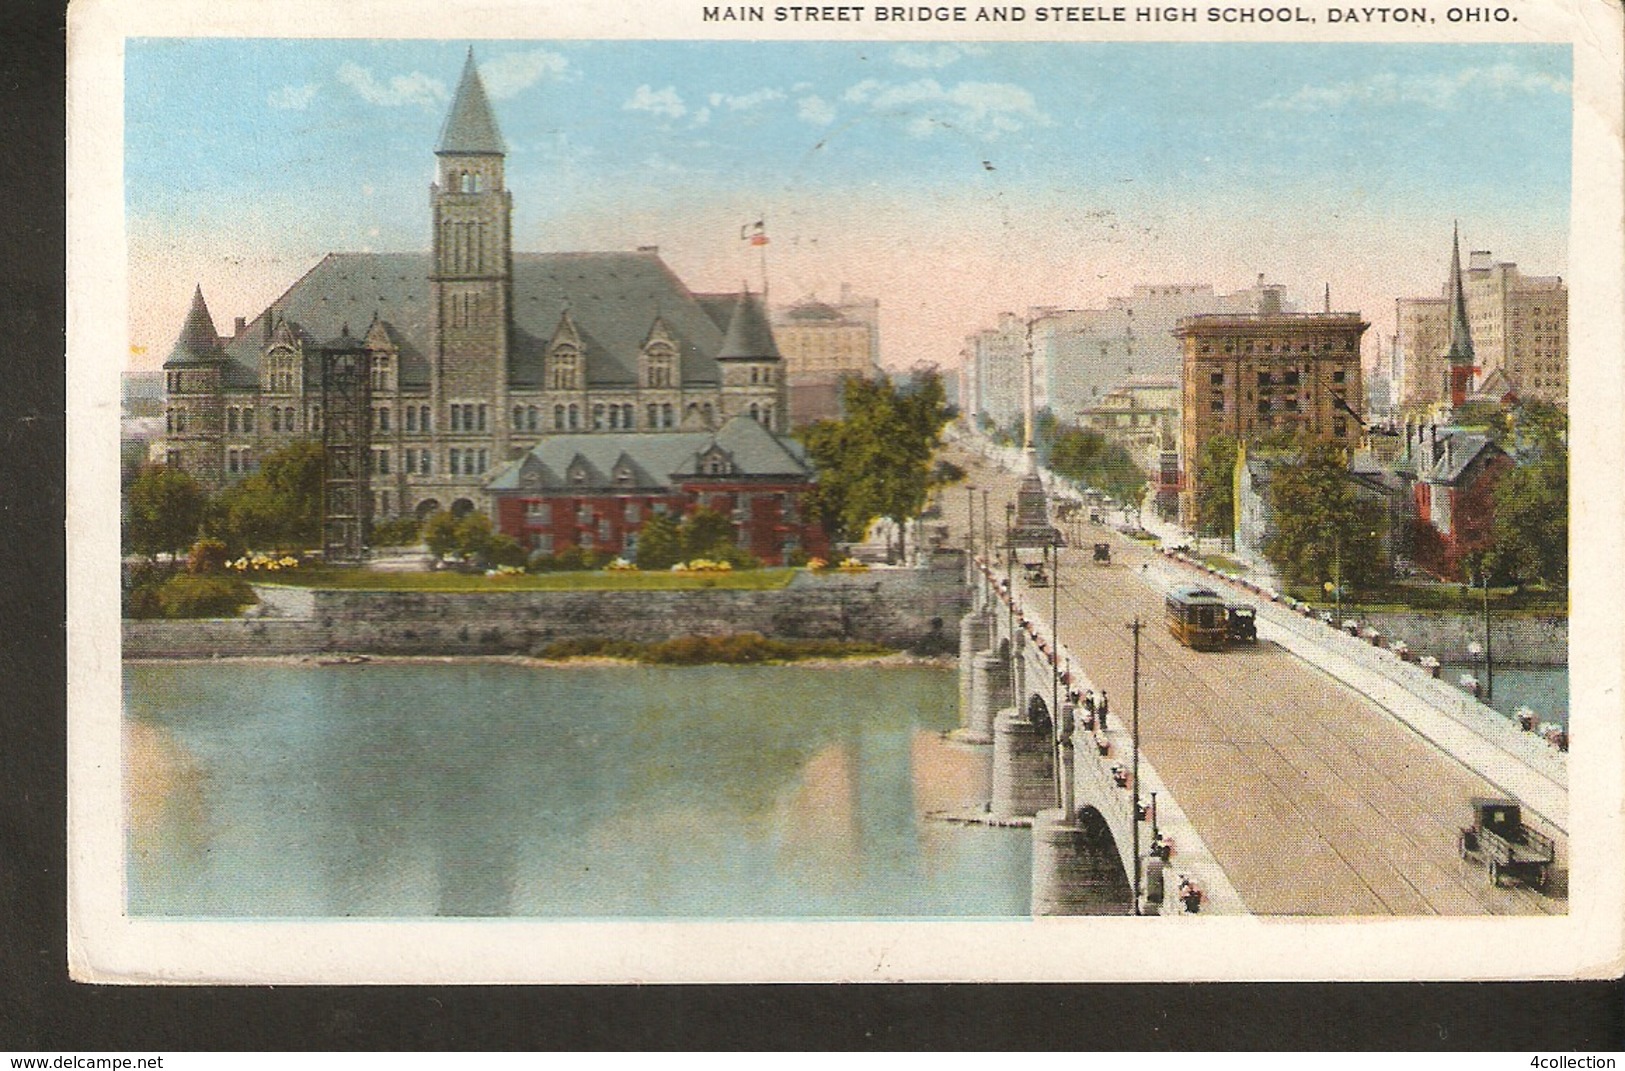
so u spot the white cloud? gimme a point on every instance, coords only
(657, 102)
(508, 75)
(929, 57)
(292, 98)
(401, 90)
(988, 109)
(1440, 91)
(745, 101)
(815, 110)
(702, 117)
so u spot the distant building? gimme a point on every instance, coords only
(1246, 375)
(1140, 416)
(597, 491)
(991, 377)
(1517, 326)
(823, 345)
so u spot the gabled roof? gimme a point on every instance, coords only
(612, 299)
(1457, 450)
(656, 459)
(198, 343)
(470, 126)
(749, 334)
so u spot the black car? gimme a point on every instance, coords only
(1241, 624)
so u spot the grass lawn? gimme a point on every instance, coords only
(1448, 598)
(371, 580)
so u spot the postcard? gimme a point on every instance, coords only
(844, 492)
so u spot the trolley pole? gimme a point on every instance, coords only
(1134, 776)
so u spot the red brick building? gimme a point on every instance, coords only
(1456, 474)
(596, 491)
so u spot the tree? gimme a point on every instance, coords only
(1529, 540)
(474, 536)
(164, 510)
(1215, 481)
(440, 533)
(281, 504)
(660, 545)
(705, 533)
(1325, 531)
(877, 460)
(1087, 457)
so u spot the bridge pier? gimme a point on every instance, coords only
(1076, 868)
(975, 637)
(1023, 766)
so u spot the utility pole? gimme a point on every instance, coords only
(1055, 667)
(1134, 776)
(1489, 664)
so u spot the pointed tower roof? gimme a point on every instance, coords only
(1461, 336)
(198, 340)
(470, 126)
(749, 335)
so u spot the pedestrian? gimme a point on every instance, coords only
(1100, 709)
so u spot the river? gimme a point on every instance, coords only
(272, 789)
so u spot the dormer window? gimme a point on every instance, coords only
(564, 368)
(623, 475)
(660, 363)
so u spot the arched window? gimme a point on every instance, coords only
(518, 418)
(287, 418)
(467, 183)
(652, 414)
(276, 418)
(767, 415)
(666, 415)
(598, 417)
(565, 362)
(558, 418)
(755, 412)
(575, 417)
(707, 410)
(532, 418)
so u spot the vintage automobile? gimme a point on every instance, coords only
(1241, 623)
(1103, 553)
(1506, 846)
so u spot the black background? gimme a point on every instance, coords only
(41, 1010)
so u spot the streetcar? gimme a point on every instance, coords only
(1198, 618)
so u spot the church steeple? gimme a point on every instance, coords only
(470, 127)
(1460, 354)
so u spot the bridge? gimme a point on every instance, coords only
(1310, 775)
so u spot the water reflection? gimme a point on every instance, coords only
(494, 789)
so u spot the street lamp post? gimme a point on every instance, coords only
(1055, 667)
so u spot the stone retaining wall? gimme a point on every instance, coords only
(1523, 640)
(914, 609)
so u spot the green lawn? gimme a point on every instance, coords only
(1447, 598)
(369, 580)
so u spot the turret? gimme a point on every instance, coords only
(193, 384)
(752, 369)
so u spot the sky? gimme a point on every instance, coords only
(952, 181)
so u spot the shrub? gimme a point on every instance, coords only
(505, 550)
(207, 556)
(396, 532)
(191, 595)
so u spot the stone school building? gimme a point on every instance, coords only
(479, 355)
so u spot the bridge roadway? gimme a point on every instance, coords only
(1310, 797)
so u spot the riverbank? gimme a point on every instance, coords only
(889, 660)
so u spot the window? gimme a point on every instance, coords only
(1340, 427)
(248, 420)
(180, 421)
(533, 418)
(383, 419)
(411, 418)
(480, 424)
(575, 417)
(518, 418)
(425, 464)
(1263, 405)
(454, 460)
(287, 419)
(381, 458)
(538, 512)
(632, 513)
(598, 417)
(233, 462)
(756, 412)
(1339, 376)
(1216, 379)
(315, 418)
(667, 415)
(233, 419)
(652, 413)
(558, 418)
(411, 460)
(276, 418)
(541, 541)
(423, 418)
(1217, 405)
